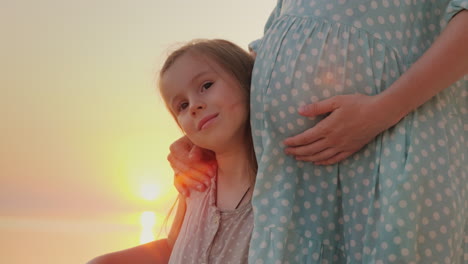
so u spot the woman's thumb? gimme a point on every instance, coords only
(195, 153)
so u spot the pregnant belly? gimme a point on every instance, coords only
(308, 69)
(307, 83)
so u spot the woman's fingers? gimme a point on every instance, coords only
(307, 137)
(184, 191)
(193, 166)
(191, 171)
(185, 182)
(308, 150)
(196, 153)
(320, 108)
(321, 129)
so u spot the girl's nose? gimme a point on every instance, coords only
(197, 107)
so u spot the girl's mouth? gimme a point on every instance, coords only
(206, 120)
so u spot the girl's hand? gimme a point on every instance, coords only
(353, 121)
(193, 166)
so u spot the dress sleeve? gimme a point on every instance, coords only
(253, 46)
(454, 7)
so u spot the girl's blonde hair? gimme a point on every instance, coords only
(232, 59)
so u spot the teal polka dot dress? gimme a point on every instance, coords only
(403, 198)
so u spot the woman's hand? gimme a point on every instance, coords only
(193, 166)
(353, 121)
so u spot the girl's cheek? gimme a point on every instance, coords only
(186, 126)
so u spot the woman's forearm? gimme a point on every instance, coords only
(445, 62)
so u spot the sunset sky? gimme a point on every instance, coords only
(83, 131)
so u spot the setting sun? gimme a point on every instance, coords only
(148, 221)
(88, 119)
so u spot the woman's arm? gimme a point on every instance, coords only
(445, 62)
(156, 252)
(355, 120)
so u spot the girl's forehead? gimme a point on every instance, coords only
(203, 60)
(184, 71)
(190, 65)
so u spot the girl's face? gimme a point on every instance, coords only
(208, 103)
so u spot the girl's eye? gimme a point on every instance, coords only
(207, 85)
(182, 106)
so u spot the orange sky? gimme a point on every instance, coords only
(82, 126)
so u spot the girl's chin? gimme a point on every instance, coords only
(203, 144)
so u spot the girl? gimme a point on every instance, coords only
(206, 85)
(375, 170)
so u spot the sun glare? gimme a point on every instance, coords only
(149, 191)
(148, 221)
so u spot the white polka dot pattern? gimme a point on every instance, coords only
(401, 199)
